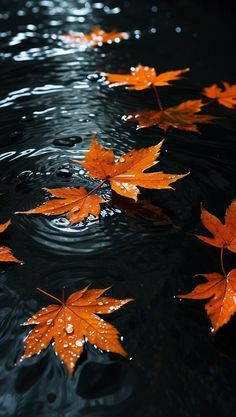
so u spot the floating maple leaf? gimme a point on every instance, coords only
(5, 252)
(126, 174)
(222, 293)
(142, 77)
(184, 117)
(96, 38)
(226, 96)
(73, 322)
(224, 235)
(78, 203)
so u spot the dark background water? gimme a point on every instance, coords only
(49, 92)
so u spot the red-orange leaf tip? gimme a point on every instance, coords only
(72, 323)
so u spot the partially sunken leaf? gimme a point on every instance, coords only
(76, 202)
(222, 293)
(96, 38)
(225, 96)
(72, 323)
(223, 234)
(126, 174)
(142, 208)
(184, 117)
(5, 252)
(141, 77)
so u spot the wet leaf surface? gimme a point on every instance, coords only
(142, 77)
(72, 323)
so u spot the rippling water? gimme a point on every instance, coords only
(51, 102)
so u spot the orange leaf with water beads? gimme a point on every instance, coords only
(223, 234)
(126, 174)
(71, 323)
(142, 77)
(184, 117)
(96, 38)
(78, 203)
(5, 252)
(226, 96)
(221, 290)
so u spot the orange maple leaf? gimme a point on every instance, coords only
(226, 96)
(127, 173)
(224, 235)
(222, 293)
(71, 323)
(142, 77)
(5, 252)
(96, 38)
(78, 203)
(184, 117)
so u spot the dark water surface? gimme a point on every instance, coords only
(50, 92)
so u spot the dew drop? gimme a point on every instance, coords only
(69, 328)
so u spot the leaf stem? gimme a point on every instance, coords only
(92, 191)
(97, 187)
(49, 295)
(157, 97)
(222, 262)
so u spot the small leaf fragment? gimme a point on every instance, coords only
(6, 254)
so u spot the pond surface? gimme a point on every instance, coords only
(51, 103)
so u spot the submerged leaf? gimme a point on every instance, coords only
(72, 323)
(142, 77)
(76, 202)
(142, 208)
(222, 293)
(226, 97)
(184, 116)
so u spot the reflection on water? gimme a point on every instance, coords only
(52, 100)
